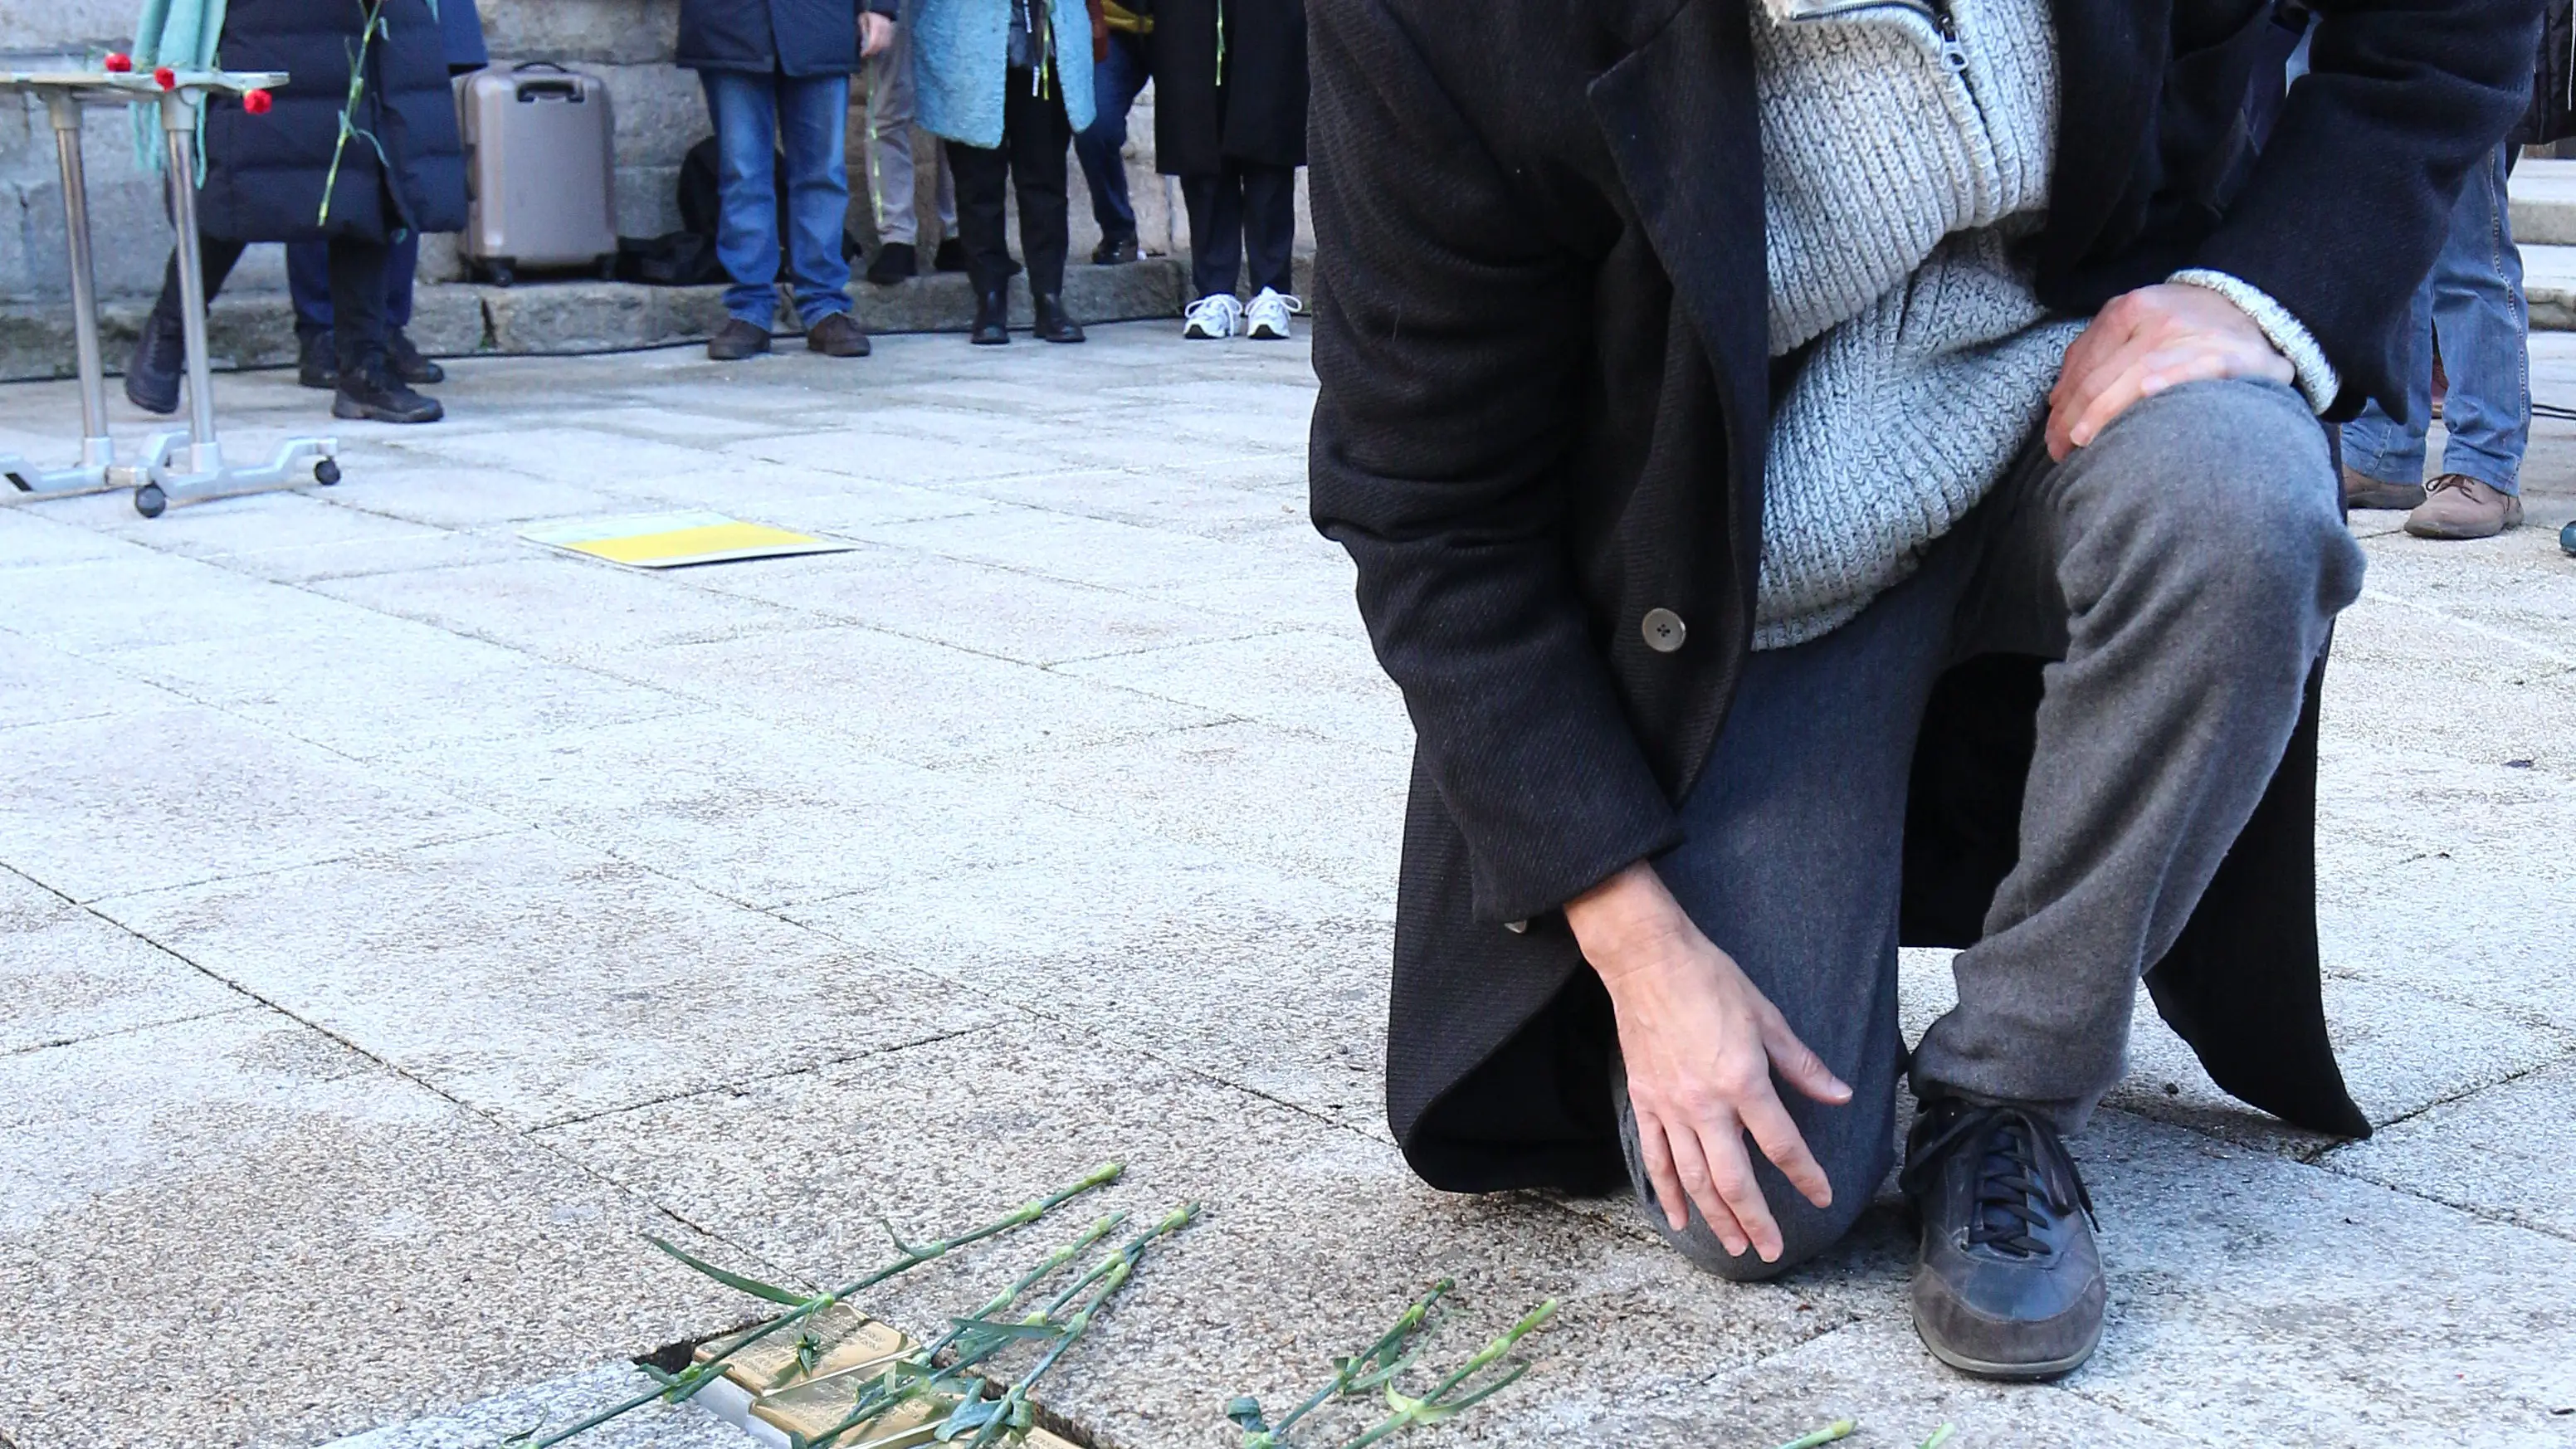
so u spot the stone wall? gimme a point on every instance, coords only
(628, 43)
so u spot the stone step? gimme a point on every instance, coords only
(2549, 281)
(2544, 203)
(256, 329)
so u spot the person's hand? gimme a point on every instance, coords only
(875, 33)
(1701, 1043)
(2145, 341)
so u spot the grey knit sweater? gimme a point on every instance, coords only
(1902, 167)
(1906, 153)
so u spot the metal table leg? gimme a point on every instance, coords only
(202, 474)
(96, 471)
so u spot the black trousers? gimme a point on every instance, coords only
(1035, 137)
(1247, 207)
(357, 271)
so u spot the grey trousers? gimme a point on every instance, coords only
(2182, 572)
(888, 75)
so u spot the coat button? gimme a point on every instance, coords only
(1664, 630)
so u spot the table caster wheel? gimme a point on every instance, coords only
(149, 500)
(325, 472)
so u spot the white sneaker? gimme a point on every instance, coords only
(1267, 317)
(1215, 315)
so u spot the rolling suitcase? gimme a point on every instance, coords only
(539, 171)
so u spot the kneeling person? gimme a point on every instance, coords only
(1860, 482)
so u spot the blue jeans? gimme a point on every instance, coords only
(1114, 84)
(308, 281)
(754, 114)
(2473, 303)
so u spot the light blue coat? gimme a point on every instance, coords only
(959, 65)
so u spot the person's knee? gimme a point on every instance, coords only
(2221, 496)
(1805, 1229)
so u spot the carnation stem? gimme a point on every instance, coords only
(688, 1382)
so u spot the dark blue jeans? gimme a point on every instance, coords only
(755, 114)
(308, 281)
(1114, 85)
(2472, 301)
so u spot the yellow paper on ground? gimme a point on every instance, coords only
(670, 540)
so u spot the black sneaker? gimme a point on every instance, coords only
(317, 361)
(1114, 251)
(737, 340)
(2009, 1282)
(894, 262)
(407, 361)
(370, 392)
(837, 335)
(951, 255)
(152, 373)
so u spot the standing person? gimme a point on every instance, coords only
(1825, 479)
(2470, 310)
(891, 172)
(777, 74)
(1007, 83)
(308, 265)
(1230, 122)
(265, 180)
(1122, 73)
(2471, 307)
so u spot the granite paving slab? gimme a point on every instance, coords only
(1272, 982)
(66, 975)
(1313, 1238)
(371, 686)
(1003, 612)
(2506, 1152)
(1083, 550)
(124, 803)
(556, 605)
(926, 703)
(141, 601)
(536, 980)
(754, 811)
(1244, 790)
(2259, 1301)
(237, 1231)
(1317, 684)
(43, 684)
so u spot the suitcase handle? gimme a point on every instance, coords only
(568, 89)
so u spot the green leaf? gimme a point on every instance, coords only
(736, 1281)
(972, 1413)
(1940, 1436)
(1245, 1411)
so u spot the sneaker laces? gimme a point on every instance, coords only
(1293, 305)
(1215, 311)
(2021, 1165)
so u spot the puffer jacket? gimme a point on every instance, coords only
(265, 173)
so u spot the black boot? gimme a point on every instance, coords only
(317, 361)
(407, 362)
(2009, 1281)
(160, 356)
(1052, 324)
(992, 319)
(894, 262)
(370, 391)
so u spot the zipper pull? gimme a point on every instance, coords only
(1953, 54)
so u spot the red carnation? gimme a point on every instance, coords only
(165, 77)
(257, 102)
(118, 62)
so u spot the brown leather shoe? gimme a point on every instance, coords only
(837, 335)
(2458, 506)
(737, 340)
(2360, 490)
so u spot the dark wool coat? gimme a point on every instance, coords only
(1544, 401)
(787, 37)
(264, 174)
(1258, 114)
(2553, 81)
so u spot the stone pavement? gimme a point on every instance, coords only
(398, 918)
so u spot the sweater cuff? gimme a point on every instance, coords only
(2288, 336)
